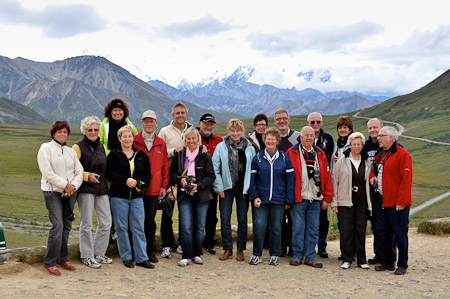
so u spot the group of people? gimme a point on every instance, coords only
(288, 178)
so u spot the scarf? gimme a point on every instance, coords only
(113, 140)
(342, 142)
(233, 156)
(310, 158)
(190, 156)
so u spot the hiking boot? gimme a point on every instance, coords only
(296, 262)
(314, 264)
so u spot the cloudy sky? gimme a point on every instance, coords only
(381, 47)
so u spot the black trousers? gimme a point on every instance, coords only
(150, 204)
(211, 222)
(286, 230)
(166, 229)
(353, 223)
(373, 222)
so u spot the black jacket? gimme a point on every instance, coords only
(118, 171)
(326, 143)
(204, 173)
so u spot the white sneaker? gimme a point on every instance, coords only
(255, 260)
(184, 262)
(364, 266)
(166, 252)
(103, 259)
(91, 262)
(197, 260)
(273, 260)
(345, 265)
(180, 249)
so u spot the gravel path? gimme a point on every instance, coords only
(428, 276)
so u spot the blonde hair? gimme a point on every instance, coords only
(123, 129)
(192, 130)
(234, 122)
(356, 135)
(88, 121)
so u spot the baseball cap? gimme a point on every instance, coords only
(207, 118)
(149, 113)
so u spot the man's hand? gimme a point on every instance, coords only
(399, 208)
(324, 205)
(373, 180)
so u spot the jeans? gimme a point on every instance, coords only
(323, 229)
(390, 224)
(226, 206)
(192, 215)
(305, 229)
(87, 202)
(211, 222)
(58, 237)
(150, 208)
(275, 213)
(126, 211)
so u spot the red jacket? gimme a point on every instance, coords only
(213, 141)
(325, 175)
(397, 177)
(159, 164)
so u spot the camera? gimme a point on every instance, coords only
(315, 175)
(162, 203)
(96, 176)
(140, 185)
(189, 180)
(375, 187)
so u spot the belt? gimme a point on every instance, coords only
(356, 188)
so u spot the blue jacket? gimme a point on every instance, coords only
(222, 170)
(273, 182)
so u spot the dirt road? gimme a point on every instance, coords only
(428, 276)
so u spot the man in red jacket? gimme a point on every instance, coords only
(156, 150)
(209, 141)
(313, 191)
(393, 174)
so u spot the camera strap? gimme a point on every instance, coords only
(182, 174)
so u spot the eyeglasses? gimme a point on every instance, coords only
(260, 125)
(382, 135)
(282, 119)
(313, 122)
(92, 130)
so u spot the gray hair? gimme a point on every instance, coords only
(391, 131)
(179, 104)
(192, 130)
(314, 113)
(376, 118)
(356, 135)
(88, 121)
(272, 131)
(281, 110)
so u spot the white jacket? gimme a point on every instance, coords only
(59, 166)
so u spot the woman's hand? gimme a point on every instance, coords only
(335, 159)
(183, 182)
(131, 182)
(257, 202)
(92, 178)
(373, 180)
(221, 194)
(194, 187)
(70, 189)
(335, 209)
(287, 207)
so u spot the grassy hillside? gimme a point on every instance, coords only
(14, 113)
(424, 112)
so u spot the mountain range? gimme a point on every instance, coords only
(235, 93)
(76, 87)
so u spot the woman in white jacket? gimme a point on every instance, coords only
(62, 175)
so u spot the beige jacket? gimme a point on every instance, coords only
(173, 138)
(59, 166)
(342, 183)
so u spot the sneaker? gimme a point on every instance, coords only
(166, 252)
(255, 260)
(91, 262)
(103, 259)
(345, 265)
(314, 264)
(273, 260)
(296, 262)
(184, 262)
(180, 249)
(197, 260)
(364, 266)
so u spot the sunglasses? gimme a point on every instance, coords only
(313, 122)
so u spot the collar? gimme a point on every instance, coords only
(287, 133)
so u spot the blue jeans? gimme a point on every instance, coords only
(305, 229)
(393, 223)
(126, 211)
(276, 214)
(192, 215)
(226, 206)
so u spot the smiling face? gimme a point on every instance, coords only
(149, 124)
(307, 137)
(374, 127)
(271, 142)
(92, 132)
(126, 140)
(282, 122)
(192, 141)
(235, 134)
(117, 114)
(343, 131)
(61, 136)
(206, 128)
(315, 122)
(385, 141)
(261, 126)
(356, 146)
(179, 116)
